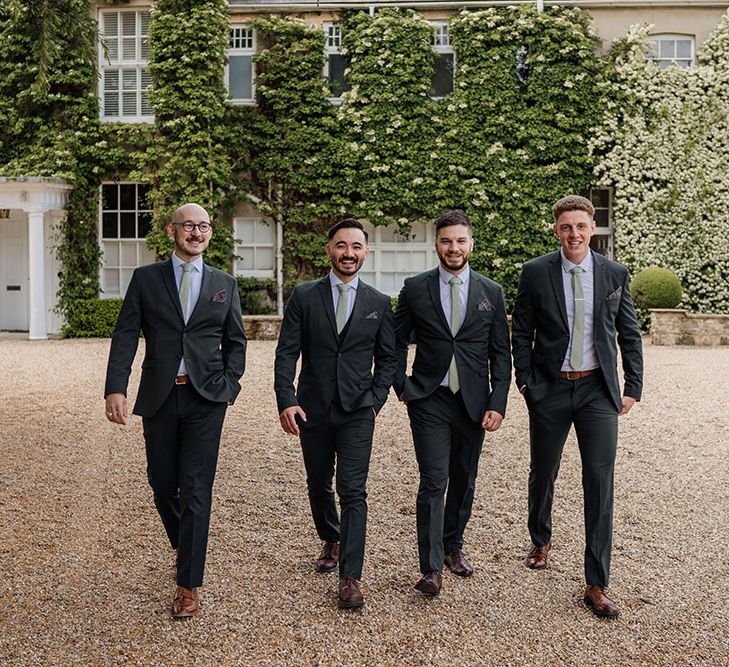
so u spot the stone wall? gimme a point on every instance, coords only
(262, 327)
(677, 327)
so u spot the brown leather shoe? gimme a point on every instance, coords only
(458, 564)
(600, 603)
(328, 558)
(537, 557)
(430, 583)
(350, 597)
(186, 603)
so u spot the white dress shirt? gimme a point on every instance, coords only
(589, 357)
(351, 294)
(195, 285)
(445, 298)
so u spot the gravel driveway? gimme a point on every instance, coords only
(87, 579)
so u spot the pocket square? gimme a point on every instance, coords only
(373, 316)
(485, 305)
(219, 297)
(615, 294)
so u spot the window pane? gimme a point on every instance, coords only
(109, 198)
(245, 231)
(600, 197)
(128, 197)
(109, 226)
(683, 48)
(126, 276)
(111, 282)
(600, 244)
(263, 233)
(112, 49)
(145, 255)
(442, 82)
(128, 225)
(110, 24)
(142, 197)
(128, 254)
(337, 81)
(667, 48)
(245, 262)
(129, 23)
(146, 85)
(129, 48)
(388, 260)
(111, 254)
(144, 224)
(264, 258)
(241, 68)
(602, 217)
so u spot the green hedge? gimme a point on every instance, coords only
(91, 318)
(257, 296)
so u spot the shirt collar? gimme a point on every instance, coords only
(445, 276)
(334, 281)
(197, 263)
(585, 264)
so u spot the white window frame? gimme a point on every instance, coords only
(374, 263)
(668, 62)
(440, 42)
(138, 64)
(142, 254)
(605, 232)
(332, 47)
(242, 51)
(256, 247)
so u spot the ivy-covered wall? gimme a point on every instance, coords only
(535, 114)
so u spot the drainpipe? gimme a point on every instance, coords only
(540, 6)
(279, 266)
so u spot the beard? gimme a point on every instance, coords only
(347, 269)
(454, 262)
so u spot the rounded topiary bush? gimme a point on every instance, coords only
(655, 287)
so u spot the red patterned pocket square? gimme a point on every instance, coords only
(219, 297)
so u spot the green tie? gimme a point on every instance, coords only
(455, 282)
(578, 324)
(185, 289)
(342, 306)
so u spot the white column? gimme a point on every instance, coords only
(36, 271)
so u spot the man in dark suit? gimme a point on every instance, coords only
(570, 307)
(458, 389)
(338, 325)
(194, 356)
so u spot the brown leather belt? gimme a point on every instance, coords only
(577, 375)
(182, 379)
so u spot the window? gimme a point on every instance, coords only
(126, 219)
(336, 63)
(602, 200)
(672, 50)
(393, 257)
(123, 59)
(444, 61)
(254, 248)
(240, 70)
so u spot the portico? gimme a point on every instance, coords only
(30, 209)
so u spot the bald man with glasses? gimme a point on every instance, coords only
(194, 357)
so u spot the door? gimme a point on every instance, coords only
(14, 272)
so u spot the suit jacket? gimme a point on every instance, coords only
(481, 345)
(329, 362)
(540, 308)
(212, 342)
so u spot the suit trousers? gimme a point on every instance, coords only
(586, 404)
(182, 442)
(448, 446)
(344, 438)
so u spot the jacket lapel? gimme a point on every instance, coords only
(434, 289)
(555, 273)
(598, 281)
(325, 292)
(475, 294)
(358, 311)
(168, 278)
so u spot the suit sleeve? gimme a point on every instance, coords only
(124, 340)
(499, 359)
(403, 329)
(522, 331)
(233, 345)
(384, 357)
(630, 343)
(287, 354)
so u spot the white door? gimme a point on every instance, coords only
(14, 272)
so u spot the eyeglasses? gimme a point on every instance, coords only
(203, 227)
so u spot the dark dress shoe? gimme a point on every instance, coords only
(458, 563)
(430, 583)
(328, 558)
(537, 557)
(350, 597)
(600, 603)
(186, 603)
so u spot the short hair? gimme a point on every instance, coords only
(453, 217)
(347, 223)
(572, 203)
